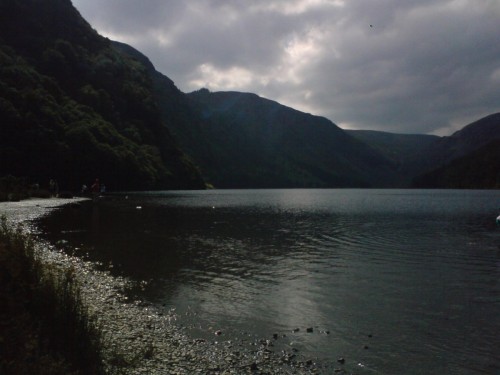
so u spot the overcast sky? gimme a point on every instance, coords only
(406, 66)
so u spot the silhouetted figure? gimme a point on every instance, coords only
(95, 188)
(53, 188)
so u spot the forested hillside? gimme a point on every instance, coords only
(74, 108)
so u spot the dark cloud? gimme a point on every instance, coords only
(418, 66)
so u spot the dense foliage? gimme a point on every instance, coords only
(74, 108)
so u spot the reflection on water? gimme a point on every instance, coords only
(395, 281)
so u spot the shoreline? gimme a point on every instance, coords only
(138, 338)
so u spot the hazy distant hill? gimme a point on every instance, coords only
(74, 108)
(469, 158)
(255, 142)
(466, 140)
(479, 169)
(406, 151)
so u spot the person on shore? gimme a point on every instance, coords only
(95, 188)
(53, 188)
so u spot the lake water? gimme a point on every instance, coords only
(394, 281)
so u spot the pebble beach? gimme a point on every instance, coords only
(139, 338)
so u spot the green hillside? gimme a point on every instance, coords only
(256, 142)
(74, 108)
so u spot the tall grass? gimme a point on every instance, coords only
(52, 332)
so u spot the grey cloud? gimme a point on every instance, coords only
(418, 66)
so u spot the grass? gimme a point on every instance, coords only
(44, 326)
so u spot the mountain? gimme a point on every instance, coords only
(479, 169)
(469, 158)
(406, 151)
(184, 122)
(466, 140)
(73, 107)
(254, 142)
(241, 140)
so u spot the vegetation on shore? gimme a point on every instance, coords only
(44, 326)
(14, 189)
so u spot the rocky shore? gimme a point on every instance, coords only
(136, 337)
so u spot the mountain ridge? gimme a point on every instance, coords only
(75, 105)
(284, 142)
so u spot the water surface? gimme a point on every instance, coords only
(394, 281)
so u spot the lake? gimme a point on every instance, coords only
(393, 281)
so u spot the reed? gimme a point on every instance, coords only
(46, 328)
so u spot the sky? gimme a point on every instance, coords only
(402, 66)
